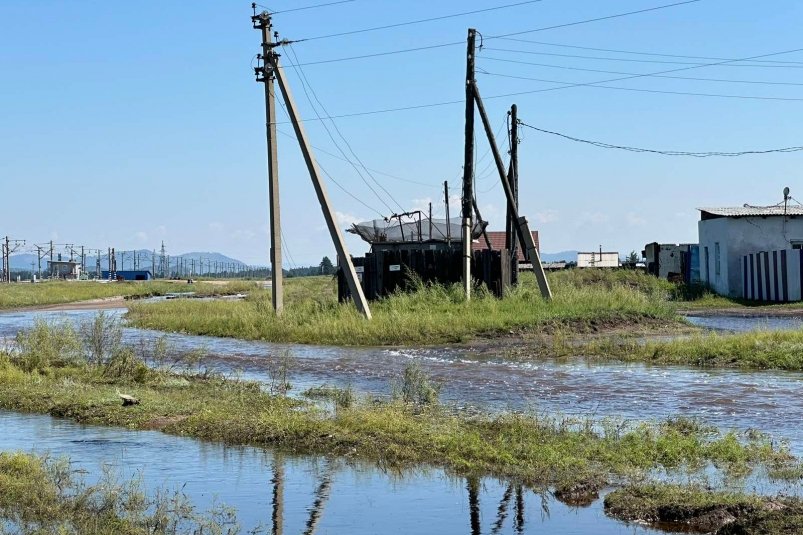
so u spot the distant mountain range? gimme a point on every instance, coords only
(563, 256)
(125, 260)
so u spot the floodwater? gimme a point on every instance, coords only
(770, 401)
(745, 324)
(314, 494)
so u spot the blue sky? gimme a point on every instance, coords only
(124, 124)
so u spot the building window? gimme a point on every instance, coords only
(716, 259)
(797, 244)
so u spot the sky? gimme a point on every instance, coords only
(123, 124)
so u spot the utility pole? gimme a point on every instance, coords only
(468, 163)
(271, 62)
(446, 202)
(522, 227)
(263, 22)
(513, 178)
(51, 259)
(430, 221)
(9, 246)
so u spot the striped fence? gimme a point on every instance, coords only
(773, 275)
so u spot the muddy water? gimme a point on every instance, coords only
(352, 498)
(744, 324)
(731, 399)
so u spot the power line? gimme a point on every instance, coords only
(305, 7)
(305, 81)
(335, 182)
(335, 156)
(419, 21)
(455, 43)
(596, 84)
(619, 51)
(334, 141)
(662, 152)
(693, 78)
(597, 19)
(531, 52)
(639, 90)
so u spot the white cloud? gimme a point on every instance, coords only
(547, 216)
(141, 236)
(243, 234)
(347, 219)
(635, 220)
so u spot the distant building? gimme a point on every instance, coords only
(752, 252)
(677, 263)
(129, 275)
(64, 269)
(497, 239)
(598, 259)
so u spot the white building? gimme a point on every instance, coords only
(727, 235)
(598, 260)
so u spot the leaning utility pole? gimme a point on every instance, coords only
(267, 78)
(522, 228)
(468, 164)
(270, 67)
(513, 178)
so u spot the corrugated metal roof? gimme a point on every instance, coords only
(757, 211)
(497, 239)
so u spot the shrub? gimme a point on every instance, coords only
(102, 337)
(416, 386)
(46, 345)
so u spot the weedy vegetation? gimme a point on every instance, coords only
(60, 292)
(411, 429)
(42, 495)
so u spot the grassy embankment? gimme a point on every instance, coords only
(55, 370)
(61, 292)
(40, 495)
(700, 510)
(432, 315)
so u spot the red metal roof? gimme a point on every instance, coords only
(497, 239)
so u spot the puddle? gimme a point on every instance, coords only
(331, 496)
(740, 324)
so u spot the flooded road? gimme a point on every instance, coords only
(730, 399)
(746, 323)
(352, 498)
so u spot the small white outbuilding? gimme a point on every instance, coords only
(731, 239)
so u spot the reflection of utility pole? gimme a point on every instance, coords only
(278, 495)
(473, 486)
(501, 511)
(518, 522)
(321, 497)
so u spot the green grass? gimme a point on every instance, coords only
(41, 495)
(754, 350)
(703, 510)
(533, 448)
(431, 315)
(20, 295)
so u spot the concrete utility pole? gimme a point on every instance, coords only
(271, 61)
(263, 22)
(468, 163)
(448, 222)
(522, 227)
(9, 246)
(51, 259)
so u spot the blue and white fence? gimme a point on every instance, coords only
(773, 275)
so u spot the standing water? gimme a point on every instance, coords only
(315, 494)
(730, 399)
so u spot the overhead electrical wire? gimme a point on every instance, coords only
(304, 8)
(305, 82)
(603, 145)
(418, 21)
(597, 84)
(629, 60)
(691, 78)
(328, 175)
(455, 43)
(639, 90)
(639, 53)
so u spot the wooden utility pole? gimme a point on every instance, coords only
(513, 178)
(272, 63)
(522, 228)
(468, 164)
(263, 22)
(446, 201)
